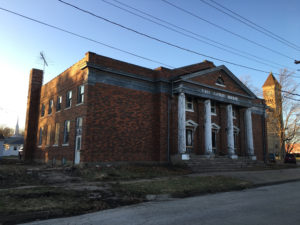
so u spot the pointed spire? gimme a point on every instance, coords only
(271, 81)
(17, 128)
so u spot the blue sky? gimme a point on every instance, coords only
(22, 40)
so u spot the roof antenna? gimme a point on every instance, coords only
(42, 57)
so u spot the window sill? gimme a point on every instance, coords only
(81, 103)
(39, 146)
(213, 114)
(58, 111)
(189, 110)
(54, 145)
(65, 145)
(67, 108)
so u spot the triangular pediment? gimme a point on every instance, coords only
(219, 78)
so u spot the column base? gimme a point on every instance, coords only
(233, 156)
(185, 156)
(209, 155)
(252, 157)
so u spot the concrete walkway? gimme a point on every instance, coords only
(263, 177)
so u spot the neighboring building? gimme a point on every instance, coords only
(272, 96)
(296, 148)
(104, 110)
(11, 146)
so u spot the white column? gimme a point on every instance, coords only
(230, 137)
(207, 128)
(181, 124)
(249, 134)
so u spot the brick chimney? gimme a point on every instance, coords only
(32, 113)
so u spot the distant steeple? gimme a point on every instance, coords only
(17, 128)
(271, 81)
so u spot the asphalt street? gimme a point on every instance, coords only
(268, 205)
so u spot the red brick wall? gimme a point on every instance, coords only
(123, 125)
(59, 86)
(211, 78)
(257, 122)
(32, 112)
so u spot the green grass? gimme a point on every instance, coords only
(183, 186)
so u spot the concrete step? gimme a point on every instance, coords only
(220, 163)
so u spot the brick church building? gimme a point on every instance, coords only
(104, 110)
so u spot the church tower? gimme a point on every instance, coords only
(272, 96)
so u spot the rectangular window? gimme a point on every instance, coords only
(48, 135)
(80, 95)
(50, 106)
(58, 103)
(189, 106)
(66, 132)
(56, 138)
(79, 126)
(41, 136)
(235, 139)
(234, 113)
(69, 99)
(189, 138)
(214, 140)
(213, 108)
(43, 110)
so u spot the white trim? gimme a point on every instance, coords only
(235, 128)
(189, 102)
(221, 85)
(81, 103)
(191, 123)
(215, 126)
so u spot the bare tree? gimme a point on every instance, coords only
(247, 81)
(283, 110)
(289, 134)
(6, 131)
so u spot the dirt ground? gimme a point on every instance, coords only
(37, 191)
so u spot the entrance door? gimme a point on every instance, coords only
(77, 149)
(78, 140)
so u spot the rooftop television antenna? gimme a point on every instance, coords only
(42, 57)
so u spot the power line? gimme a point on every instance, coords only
(198, 35)
(249, 21)
(237, 52)
(83, 37)
(252, 26)
(290, 93)
(159, 40)
(224, 29)
(95, 41)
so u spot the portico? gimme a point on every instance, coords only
(223, 118)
